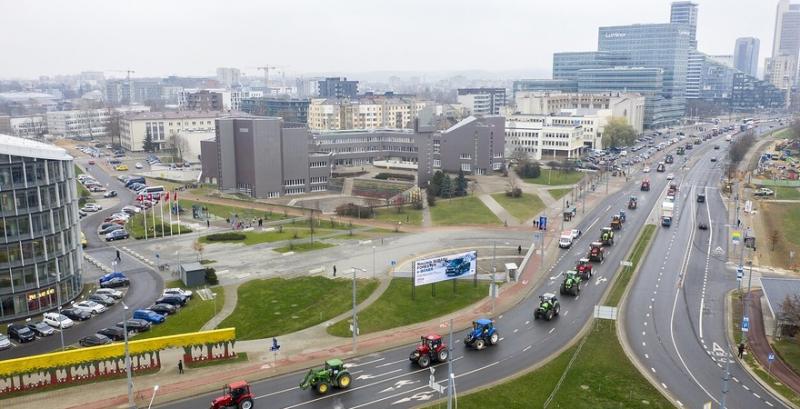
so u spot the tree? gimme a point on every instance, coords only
(436, 182)
(112, 127)
(431, 196)
(528, 169)
(199, 248)
(178, 145)
(446, 189)
(790, 313)
(148, 145)
(618, 133)
(461, 184)
(399, 202)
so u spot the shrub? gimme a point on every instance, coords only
(399, 176)
(228, 236)
(211, 276)
(515, 192)
(354, 210)
(528, 169)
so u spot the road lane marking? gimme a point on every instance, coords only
(745, 387)
(527, 348)
(551, 330)
(653, 369)
(356, 365)
(391, 363)
(646, 356)
(756, 395)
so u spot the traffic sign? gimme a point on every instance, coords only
(393, 262)
(739, 272)
(542, 222)
(745, 324)
(736, 236)
(771, 357)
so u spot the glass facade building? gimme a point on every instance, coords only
(751, 94)
(567, 64)
(545, 85)
(40, 251)
(646, 81)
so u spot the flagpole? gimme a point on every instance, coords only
(150, 197)
(161, 207)
(169, 208)
(178, 212)
(144, 216)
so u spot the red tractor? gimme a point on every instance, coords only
(430, 349)
(235, 395)
(596, 252)
(584, 269)
(645, 185)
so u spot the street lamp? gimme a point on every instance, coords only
(355, 318)
(373, 261)
(152, 398)
(127, 357)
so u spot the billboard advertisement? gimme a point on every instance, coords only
(442, 268)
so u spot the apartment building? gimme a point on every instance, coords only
(32, 126)
(91, 123)
(366, 112)
(482, 101)
(134, 128)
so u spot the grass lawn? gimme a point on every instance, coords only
(303, 247)
(789, 351)
(598, 378)
(407, 216)
(559, 193)
(786, 193)
(136, 227)
(288, 233)
(556, 177)
(615, 295)
(226, 212)
(784, 219)
(522, 208)
(278, 306)
(464, 210)
(190, 318)
(395, 308)
(785, 133)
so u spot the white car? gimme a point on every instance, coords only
(57, 320)
(646, 169)
(139, 165)
(178, 291)
(91, 207)
(131, 210)
(90, 306)
(4, 342)
(117, 294)
(670, 176)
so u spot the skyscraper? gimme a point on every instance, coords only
(685, 12)
(781, 68)
(745, 55)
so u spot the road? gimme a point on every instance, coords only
(387, 379)
(680, 336)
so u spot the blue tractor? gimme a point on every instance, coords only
(483, 332)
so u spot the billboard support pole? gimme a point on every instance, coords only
(454, 281)
(475, 277)
(433, 289)
(413, 280)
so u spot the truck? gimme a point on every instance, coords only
(669, 158)
(565, 241)
(681, 150)
(660, 167)
(666, 213)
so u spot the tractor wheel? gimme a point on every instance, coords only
(563, 289)
(424, 361)
(344, 381)
(443, 355)
(557, 309)
(549, 315)
(246, 404)
(494, 338)
(322, 388)
(536, 315)
(480, 343)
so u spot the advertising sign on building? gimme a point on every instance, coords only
(442, 268)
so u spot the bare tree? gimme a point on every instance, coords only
(790, 314)
(199, 248)
(178, 145)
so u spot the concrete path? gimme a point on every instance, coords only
(231, 297)
(427, 221)
(498, 210)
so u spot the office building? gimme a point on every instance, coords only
(781, 67)
(745, 55)
(476, 146)
(544, 85)
(544, 137)
(694, 71)
(5, 124)
(40, 250)
(161, 126)
(31, 126)
(335, 87)
(724, 59)
(482, 101)
(716, 80)
(648, 82)
(567, 64)
(364, 112)
(292, 110)
(228, 77)
(206, 100)
(685, 12)
(629, 106)
(89, 123)
(752, 95)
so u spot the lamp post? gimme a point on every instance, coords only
(152, 398)
(127, 357)
(373, 262)
(355, 318)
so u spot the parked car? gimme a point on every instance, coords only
(21, 333)
(94, 340)
(121, 168)
(96, 189)
(91, 207)
(91, 162)
(105, 277)
(764, 192)
(670, 176)
(163, 309)
(178, 291)
(172, 300)
(114, 333)
(76, 314)
(117, 235)
(91, 306)
(57, 320)
(131, 210)
(116, 294)
(115, 282)
(102, 299)
(139, 165)
(149, 316)
(136, 325)
(110, 193)
(41, 329)
(111, 227)
(5, 343)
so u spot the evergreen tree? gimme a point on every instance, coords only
(461, 184)
(436, 183)
(149, 145)
(446, 189)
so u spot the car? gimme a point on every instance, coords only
(91, 162)
(701, 198)
(57, 320)
(96, 189)
(670, 176)
(109, 276)
(102, 299)
(175, 300)
(149, 316)
(113, 333)
(713, 158)
(111, 227)
(163, 309)
(91, 207)
(41, 329)
(5, 343)
(763, 192)
(115, 282)
(110, 193)
(117, 235)
(716, 147)
(116, 294)
(702, 226)
(646, 169)
(21, 333)
(81, 213)
(121, 168)
(76, 314)
(91, 306)
(139, 165)
(178, 291)
(131, 210)
(94, 340)
(134, 324)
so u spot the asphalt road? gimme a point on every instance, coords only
(675, 320)
(387, 379)
(146, 284)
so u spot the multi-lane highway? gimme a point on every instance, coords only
(675, 314)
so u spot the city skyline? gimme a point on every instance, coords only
(153, 41)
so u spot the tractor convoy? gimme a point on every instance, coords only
(483, 333)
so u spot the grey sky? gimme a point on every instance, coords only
(161, 37)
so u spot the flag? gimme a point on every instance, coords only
(139, 198)
(150, 196)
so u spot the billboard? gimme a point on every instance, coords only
(442, 268)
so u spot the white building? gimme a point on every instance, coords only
(230, 100)
(161, 126)
(629, 106)
(79, 123)
(482, 101)
(228, 76)
(367, 112)
(32, 126)
(543, 137)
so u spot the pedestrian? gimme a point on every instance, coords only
(519, 249)
(180, 367)
(208, 223)
(334, 270)
(118, 257)
(260, 222)
(741, 349)
(738, 222)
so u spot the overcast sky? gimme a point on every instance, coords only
(162, 37)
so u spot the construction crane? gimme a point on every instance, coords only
(266, 69)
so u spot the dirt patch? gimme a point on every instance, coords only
(780, 221)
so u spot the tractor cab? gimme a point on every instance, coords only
(483, 332)
(584, 268)
(430, 349)
(236, 394)
(645, 185)
(334, 365)
(632, 202)
(571, 284)
(616, 222)
(596, 251)
(607, 233)
(622, 216)
(548, 307)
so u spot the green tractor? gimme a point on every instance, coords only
(548, 307)
(334, 374)
(607, 236)
(571, 284)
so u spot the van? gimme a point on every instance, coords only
(565, 241)
(156, 191)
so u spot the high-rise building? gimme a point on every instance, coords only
(782, 66)
(293, 110)
(335, 87)
(40, 250)
(544, 85)
(567, 64)
(648, 82)
(482, 101)
(745, 55)
(228, 77)
(685, 12)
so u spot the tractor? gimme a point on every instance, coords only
(483, 332)
(596, 252)
(645, 185)
(333, 374)
(584, 269)
(548, 307)
(430, 349)
(234, 395)
(571, 284)
(622, 216)
(616, 222)
(607, 234)
(632, 203)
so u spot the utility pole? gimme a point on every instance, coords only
(494, 268)
(725, 379)
(355, 318)
(450, 378)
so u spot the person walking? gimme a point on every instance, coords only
(208, 223)
(519, 250)
(334, 270)
(119, 259)
(741, 350)
(180, 367)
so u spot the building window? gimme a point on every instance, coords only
(466, 167)
(465, 156)
(437, 163)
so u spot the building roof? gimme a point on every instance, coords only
(776, 290)
(172, 115)
(11, 145)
